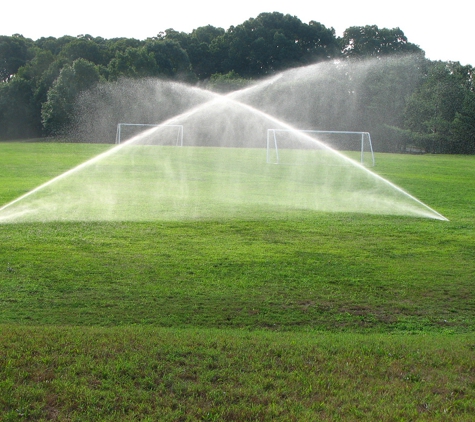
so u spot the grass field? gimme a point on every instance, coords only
(164, 183)
(301, 316)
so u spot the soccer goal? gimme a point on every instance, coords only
(150, 134)
(284, 145)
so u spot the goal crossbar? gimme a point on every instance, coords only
(179, 139)
(271, 136)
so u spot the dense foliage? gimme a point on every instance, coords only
(418, 103)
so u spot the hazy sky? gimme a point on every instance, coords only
(444, 30)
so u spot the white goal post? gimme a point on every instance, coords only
(179, 131)
(273, 142)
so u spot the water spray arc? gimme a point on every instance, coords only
(204, 116)
(231, 97)
(347, 159)
(62, 176)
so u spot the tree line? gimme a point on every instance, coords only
(420, 104)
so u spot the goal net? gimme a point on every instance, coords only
(292, 146)
(149, 134)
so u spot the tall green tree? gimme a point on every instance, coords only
(34, 69)
(272, 42)
(463, 127)
(133, 63)
(156, 57)
(47, 78)
(121, 44)
(198, 48)
(57, 111)
(13, 55)
(432, 108)
(171, 58)
(19, 112)
(86, 48)
(52, 44)
(371, 41)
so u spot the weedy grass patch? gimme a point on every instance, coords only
(145, 373)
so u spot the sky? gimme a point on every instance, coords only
(444, 30)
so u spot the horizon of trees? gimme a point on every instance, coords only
(419, 103)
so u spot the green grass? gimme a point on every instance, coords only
(142, 373)
(28, 165)
(159, 183)
(300, 316)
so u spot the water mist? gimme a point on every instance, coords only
(221, 171)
